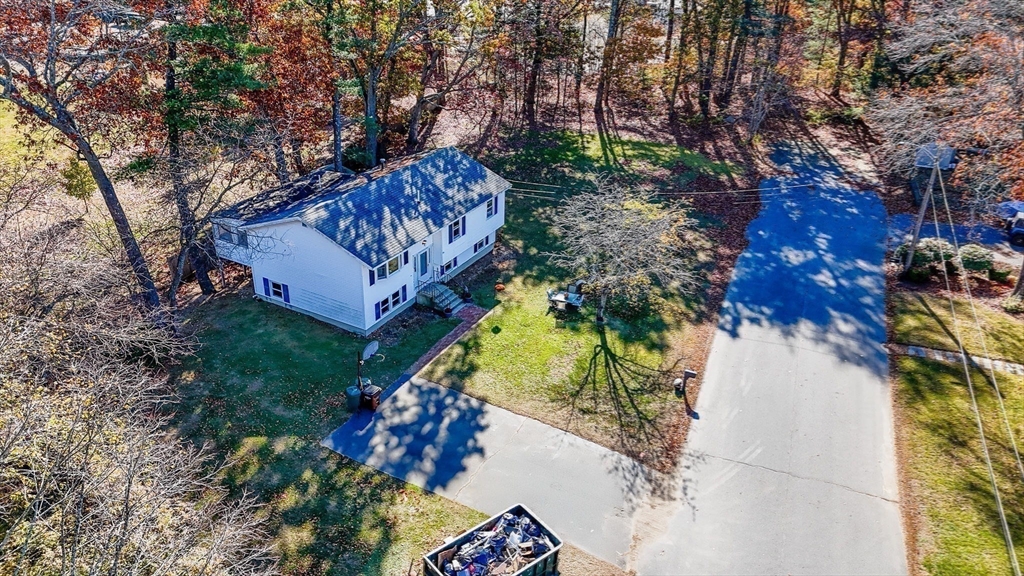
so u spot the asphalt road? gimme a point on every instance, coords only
(790, 466)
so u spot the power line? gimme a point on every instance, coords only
(764, 199)
(981, 334)
(977, 411)
(683, 193)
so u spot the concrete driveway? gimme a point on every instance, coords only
(790, 466)
(489, 459)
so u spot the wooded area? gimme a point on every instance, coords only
(171, 110)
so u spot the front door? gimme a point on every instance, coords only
(423, 263)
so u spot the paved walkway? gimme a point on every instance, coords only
(489, 458)
(790, 468)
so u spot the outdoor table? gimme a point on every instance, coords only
(561, 298)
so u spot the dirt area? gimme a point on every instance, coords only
(574, 562)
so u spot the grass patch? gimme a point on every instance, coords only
(959, 531)
(611, 386)
(566, 158)
(264, 388)
(925, 320)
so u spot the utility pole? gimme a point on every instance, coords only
(920, 215)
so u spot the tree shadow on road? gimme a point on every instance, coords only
(813, 267)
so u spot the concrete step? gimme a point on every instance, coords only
(442, 296)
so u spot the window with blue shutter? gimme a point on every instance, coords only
(373, 277)
(455, 262)
(405, 257)
(376, 311)
(266, 287)
(463, 225)
(285, 293)
(403, 293)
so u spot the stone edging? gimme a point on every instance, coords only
(956, 358)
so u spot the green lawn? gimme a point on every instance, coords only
(959, 529)
(265, 387)
(611, 386)
(925, 320)
(566, 158)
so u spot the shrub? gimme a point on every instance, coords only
(929, 252)
(999, 275)
(976, 258)
(1013, 305)
(77, 181)
(918, 275)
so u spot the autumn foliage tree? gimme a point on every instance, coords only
(75, 66)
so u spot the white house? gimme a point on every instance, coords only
(355, 250)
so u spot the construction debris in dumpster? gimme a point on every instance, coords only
(514, 542)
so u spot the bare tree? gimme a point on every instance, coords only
(65, 63)
(92, 481)
(616, 238)
(975, 47)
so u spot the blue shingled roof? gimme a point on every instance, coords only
(377, 219)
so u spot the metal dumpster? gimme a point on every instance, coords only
(504, 544)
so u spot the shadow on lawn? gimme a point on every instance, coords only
(937, 401)
(814, 261)
(263, 402)
(612, 381)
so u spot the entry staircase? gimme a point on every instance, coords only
(441, 297)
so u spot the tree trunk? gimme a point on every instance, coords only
(296, 145)
(372, 127)
(338, 151)
(186, 217)
(580, 64)
(738, 52)
(533, 79)
(669, 29)
(280, 161)
(607, 56)
(707, 70)
(150, 296)
(412, 140)
(1018, 287)
(844, 16)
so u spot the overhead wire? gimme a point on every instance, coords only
(981, 335)
(742, 196)
(685, 193)
(1008, 538)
